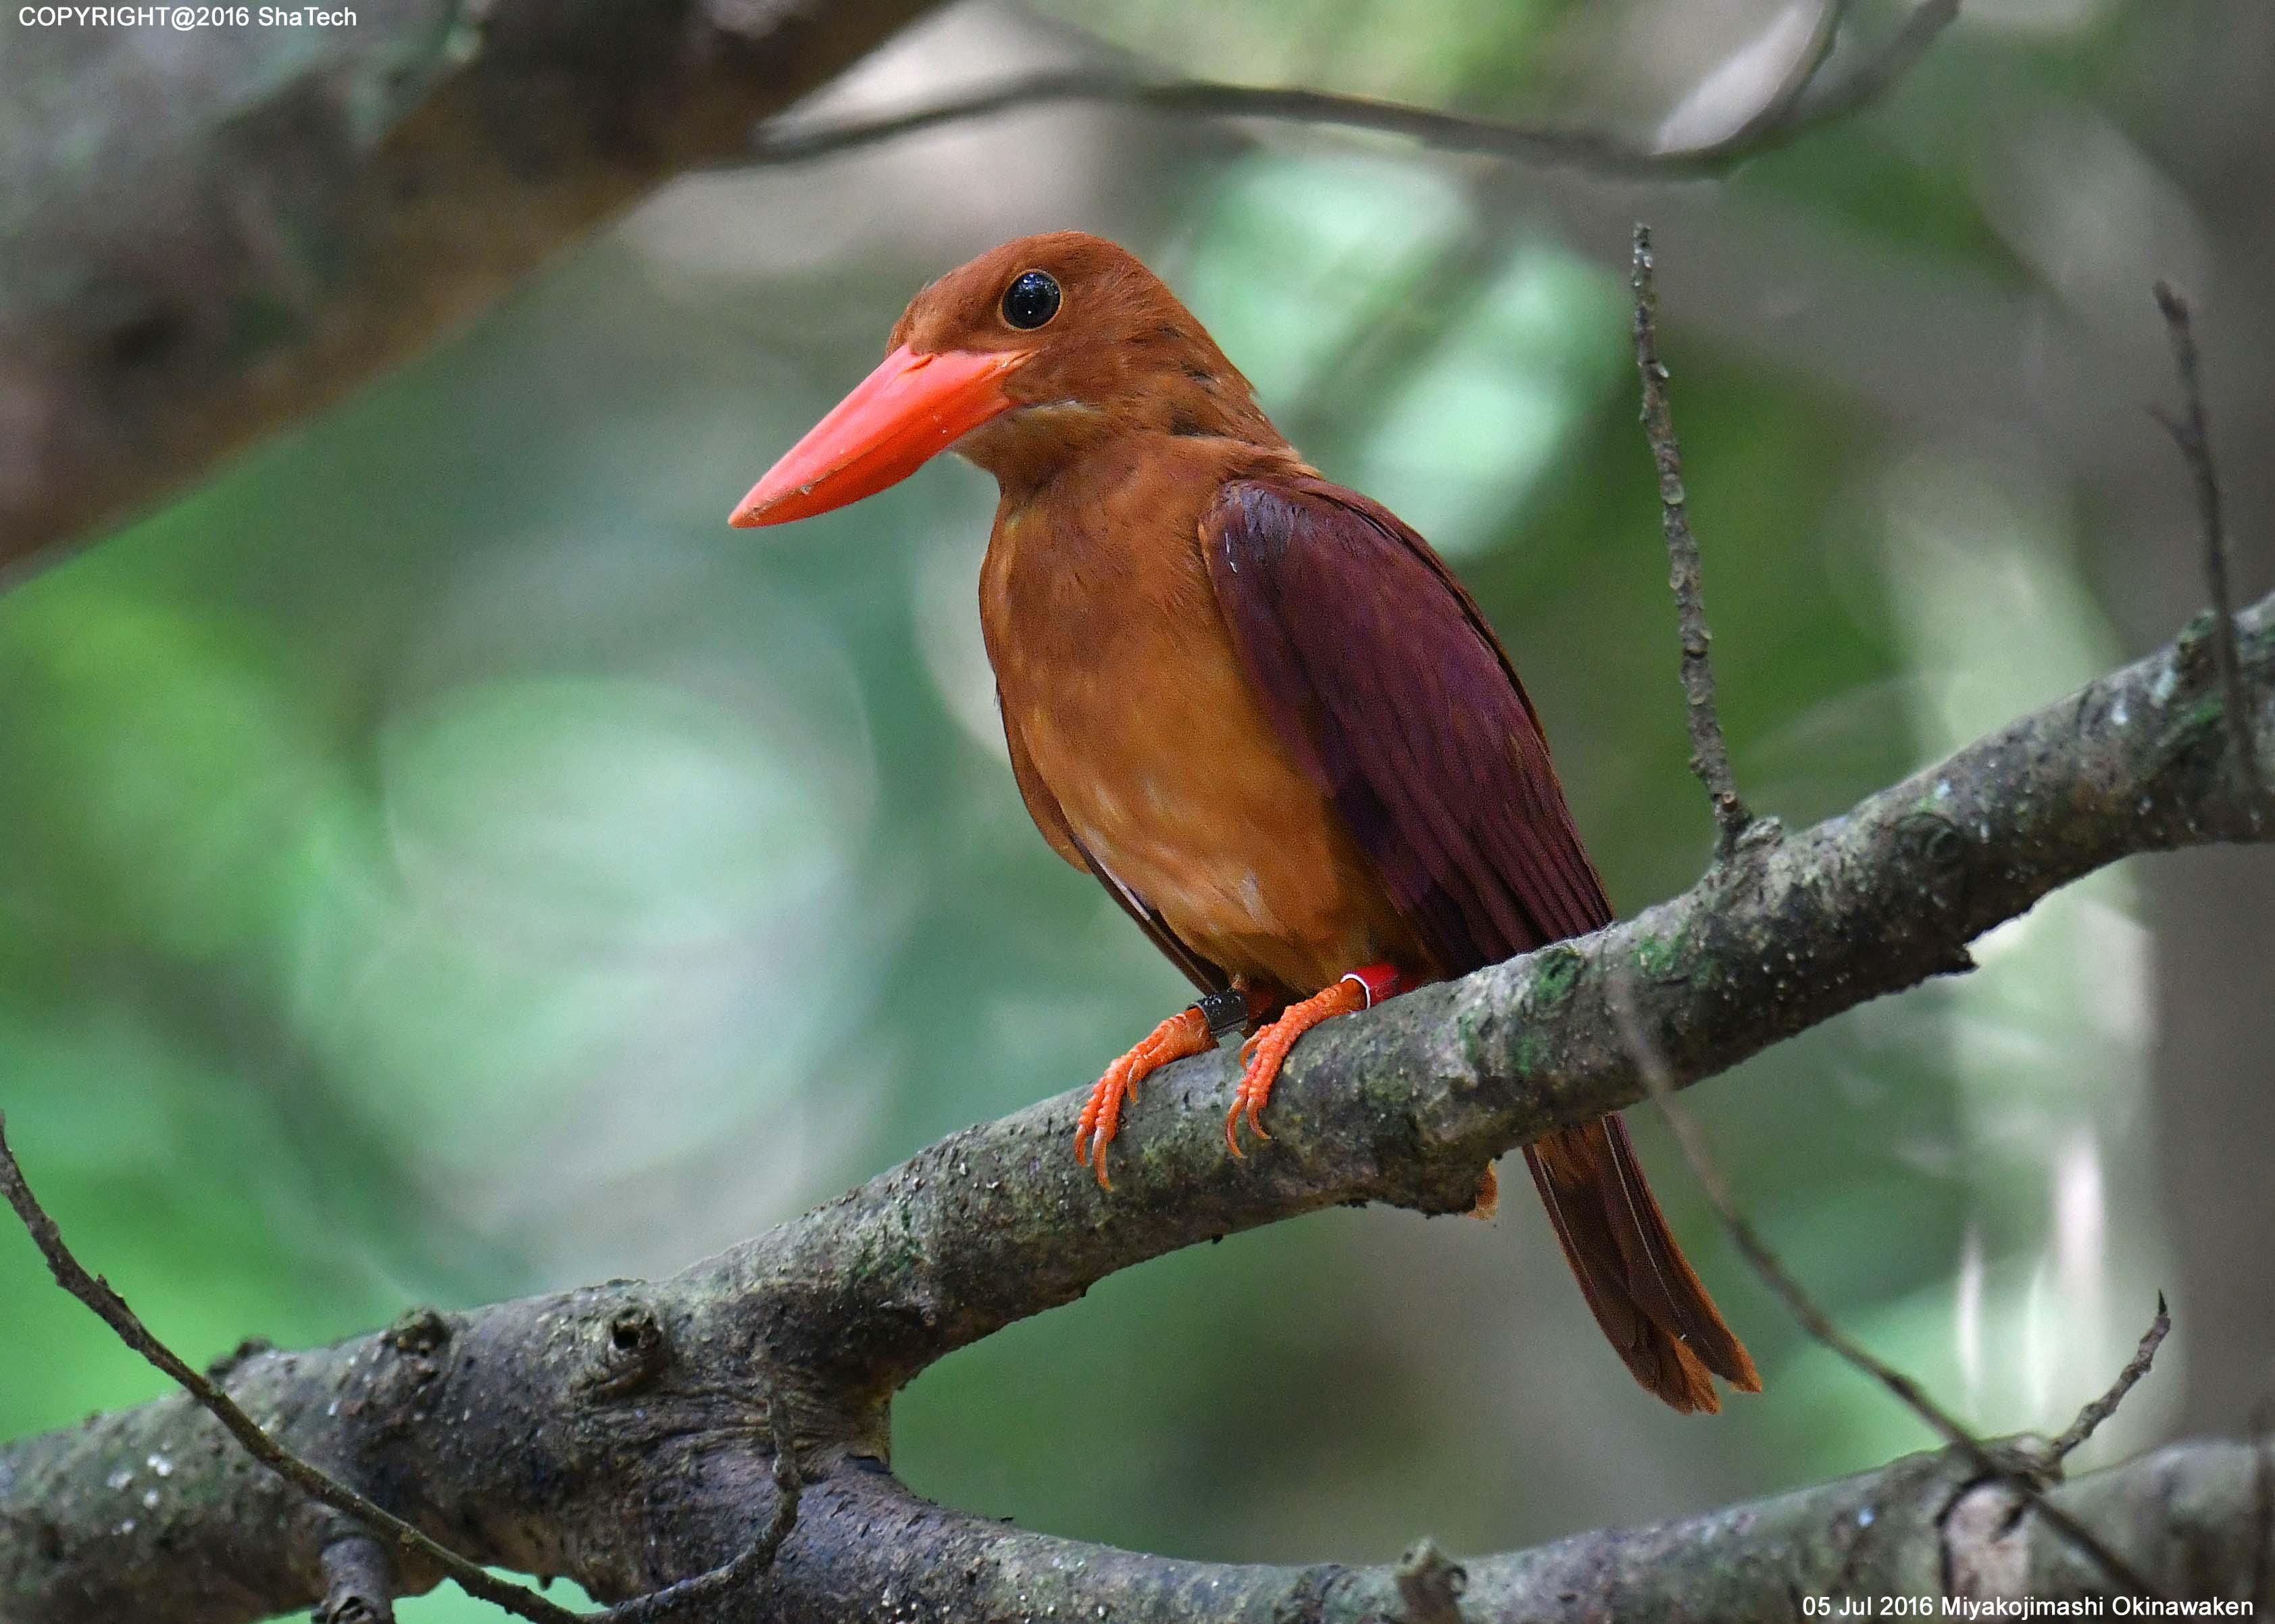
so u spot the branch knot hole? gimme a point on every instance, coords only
(630, 1352)
(1937, 847)
(419, 1333)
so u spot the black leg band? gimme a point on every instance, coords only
(1223, 1011)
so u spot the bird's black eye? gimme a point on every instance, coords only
(1031, 299)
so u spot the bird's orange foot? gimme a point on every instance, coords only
(1183, 1033)
(1264, 1054)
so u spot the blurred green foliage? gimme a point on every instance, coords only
(443, 861)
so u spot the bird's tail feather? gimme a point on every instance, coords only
(1649, 1302)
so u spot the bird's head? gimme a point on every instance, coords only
(1022, 360)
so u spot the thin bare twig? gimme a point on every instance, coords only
(789, 1482)
(2022, 1472)
(1800, 104)
(2191, 431)
(312, 1481)
(2090, 1419)
(112, 1307)
(1710, 754)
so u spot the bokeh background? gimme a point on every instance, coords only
(440, 861)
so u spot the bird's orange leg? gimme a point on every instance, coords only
(1186, 1032)
(1263, 1055)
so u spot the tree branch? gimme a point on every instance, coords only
(111, 1309)
(724, 1582)
(260, 225)
(354, 1567)
(2181, 1515)
(255, 223)
(1809, 99)
(619, 1433)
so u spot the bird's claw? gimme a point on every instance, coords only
(1186, 1032)
(1267, 1051)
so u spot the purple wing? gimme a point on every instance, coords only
(1379, 672)
(1376, 666)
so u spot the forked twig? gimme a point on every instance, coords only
(2023, 1473)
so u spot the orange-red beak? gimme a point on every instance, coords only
(896, 419)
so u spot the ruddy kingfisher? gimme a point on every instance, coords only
(1255, 707)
